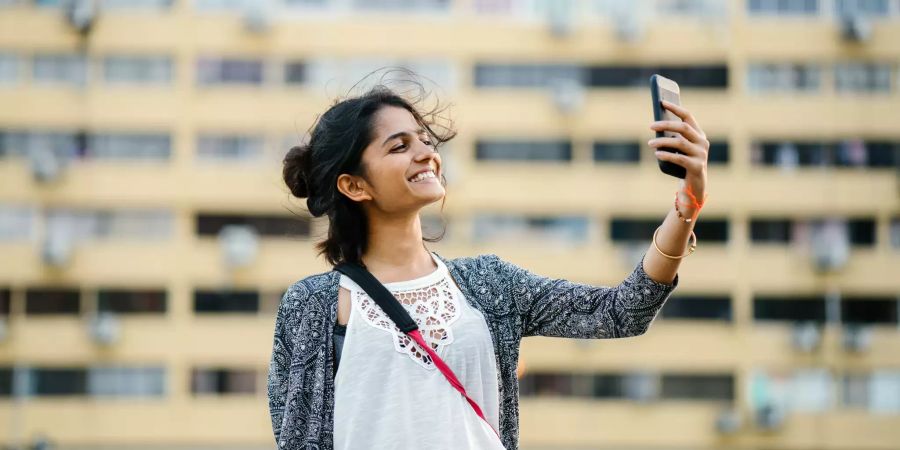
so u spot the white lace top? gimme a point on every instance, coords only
(388, 392)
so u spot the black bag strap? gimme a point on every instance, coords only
(380, 294)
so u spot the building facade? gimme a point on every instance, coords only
(147, 238)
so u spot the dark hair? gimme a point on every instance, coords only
(335, 146)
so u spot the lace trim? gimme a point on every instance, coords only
(434, 308)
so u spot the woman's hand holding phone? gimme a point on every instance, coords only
(693, 147)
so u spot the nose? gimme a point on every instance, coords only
(425, 152)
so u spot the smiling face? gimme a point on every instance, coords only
(401, 165)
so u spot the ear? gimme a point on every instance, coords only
(353, 187)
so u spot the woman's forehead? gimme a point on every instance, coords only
(393, 119)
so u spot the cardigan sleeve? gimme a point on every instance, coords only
(561, 308)
(279, 364)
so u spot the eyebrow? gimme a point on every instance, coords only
(418, 131)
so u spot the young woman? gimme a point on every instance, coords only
(371, 164)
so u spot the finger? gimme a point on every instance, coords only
(684, 114)
(682, 128)
(679, 143)
(682, 160)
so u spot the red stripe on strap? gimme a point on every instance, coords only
(451, 377)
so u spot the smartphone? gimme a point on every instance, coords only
(662, 88)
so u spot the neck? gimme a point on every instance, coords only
(395, 248)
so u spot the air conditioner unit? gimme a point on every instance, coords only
(628, 29)
(806, 336)
(642, 387)
(829, 245)
(568, 95)
(56, 249)
(257, 16)
(855, 29)
(46, 166)
(769, 418)
(856, 338)
(728, 421)
(81, 14)
(104, 328)
(560, 18)
(239, 244)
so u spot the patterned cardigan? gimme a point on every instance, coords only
(515, 303)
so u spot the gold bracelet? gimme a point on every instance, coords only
(693, 245)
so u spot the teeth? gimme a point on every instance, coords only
(422, 176)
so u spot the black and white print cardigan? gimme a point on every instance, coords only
(515, 303)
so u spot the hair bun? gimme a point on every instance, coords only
(296, 170)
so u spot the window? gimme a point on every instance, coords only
(17, 222)
(793, 309)
(711, 76)
(126, 381)
(624, 230)
(861, 231)
(783, 77)
(549, 384)
(500, 150)
(853, 152)
(131, 302)
(718, 152)
(783, 7)
(6, 382)
(869, 310)
(65, 146)
(627, 152)
(711, 230)
(226, 302)
(515, 228)
(9, 69)
(129, 146)
(137, 69)
(272, 226)
(46, 302)
(60, 68)
(697, 307)
(5, 298)
(861, 8)
(213, 71)
(79, 225)
(229, 148)
(435, 73)
(877, 391)
(295, 72)
(139, 5)
(223, 381)
(58, 381)
(879, 154)
(402, 6)
(700, 8)
(800, 390)
(220, 5)
(610, 386)
(526, 75)
(771, 231)
(697, 387)
(862, 77)
(895, 233)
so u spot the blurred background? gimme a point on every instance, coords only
(146, 236)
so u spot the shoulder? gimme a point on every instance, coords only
(470, 263)
(487, 267)
(305, 289)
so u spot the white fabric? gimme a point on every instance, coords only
(388, 392)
